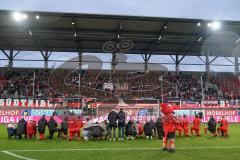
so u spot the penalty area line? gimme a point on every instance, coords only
(17, 156)
(119, 149)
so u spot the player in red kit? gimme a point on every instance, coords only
(185, 124)
(34, 129)
(179, 126)
(169, 122)
(79, 125)
(30, 129)
(71, 128)
(196, 125)
(223, 129)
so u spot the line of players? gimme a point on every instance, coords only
(182, 126)
(72, 126)
(173, 124)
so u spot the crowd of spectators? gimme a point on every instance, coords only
(65, 83)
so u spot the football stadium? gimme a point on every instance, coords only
(118, 86)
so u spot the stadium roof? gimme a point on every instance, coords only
(89, 32)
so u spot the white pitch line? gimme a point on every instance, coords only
(120, 149)
(17, 156)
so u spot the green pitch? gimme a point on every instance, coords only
(192, 148)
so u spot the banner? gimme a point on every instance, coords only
(28, 103)
(144, 119)
(15, 119)
(222, 112)
(108, 86)
(210, 104)
(140, 119)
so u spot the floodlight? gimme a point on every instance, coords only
(209, 24)
(198, 24)
(216, 25)
(17, 16)
(24, 16)
(37, 17)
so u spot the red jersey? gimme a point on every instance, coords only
(184, 122)
(79, 124)
(196, 122)
(178, 124)
(34, 127)
(30, 129)
(224, 123)
(169, 122)
(72, 125)
(140, 129)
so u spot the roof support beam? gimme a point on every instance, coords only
(236, 66)
(113, 64)
(172, 58)
(181, 58)
(16, 54)
(207, 64)
(5, 53)
(230, 60)
(213, 59)
(177, 63)
(201, 59)
(146, 58)
(46, 56)
(10, 56)
(207, 69)
(10, 59)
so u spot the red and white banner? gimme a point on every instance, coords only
(15, 119)
(8, 112)
(28, 103)
(208, 104)
(221, 112)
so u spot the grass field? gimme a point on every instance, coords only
(192, 148)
